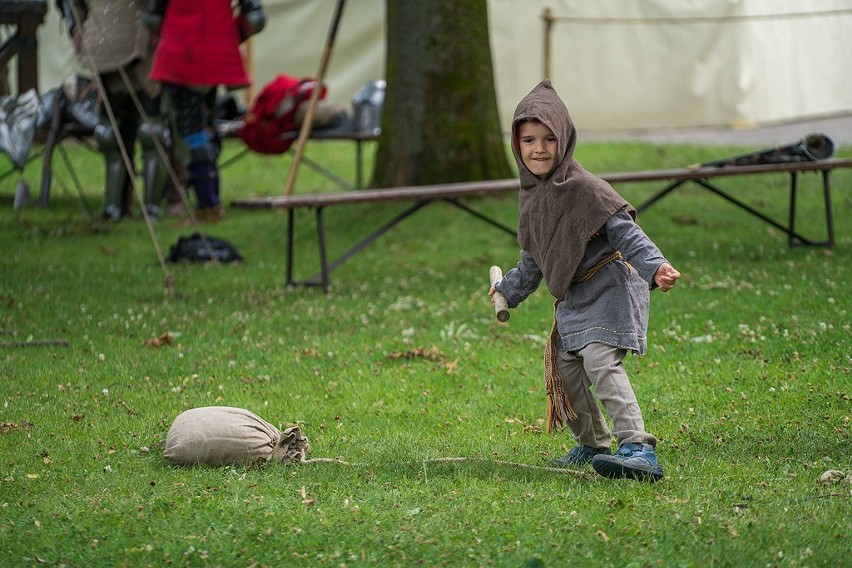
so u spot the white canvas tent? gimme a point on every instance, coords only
(619, 65)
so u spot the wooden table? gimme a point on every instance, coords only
(27, 16)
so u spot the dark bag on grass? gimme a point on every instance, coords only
(194, 249)
(223, 435)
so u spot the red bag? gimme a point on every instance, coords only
(273, 113)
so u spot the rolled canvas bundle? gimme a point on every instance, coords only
(223, 435)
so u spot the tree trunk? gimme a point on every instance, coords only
(439, 121)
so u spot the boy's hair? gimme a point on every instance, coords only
(525, 120)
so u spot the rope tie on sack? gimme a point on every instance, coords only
(559, 410)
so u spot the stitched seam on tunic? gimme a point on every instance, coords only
(588, 329)
(616, 345)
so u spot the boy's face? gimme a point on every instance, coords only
(538, 147)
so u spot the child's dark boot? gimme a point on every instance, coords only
(578, 456)
(632, 460)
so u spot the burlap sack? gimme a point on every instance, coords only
(219, 435)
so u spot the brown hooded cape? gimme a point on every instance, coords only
(559, 214)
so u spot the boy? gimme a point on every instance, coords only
(579, 235)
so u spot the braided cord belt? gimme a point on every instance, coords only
(587, 275)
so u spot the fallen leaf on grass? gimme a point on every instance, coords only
(685, 220)
(9, 427)
(430, 354)
(165, 339)
(305, 499)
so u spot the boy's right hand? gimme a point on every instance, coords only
(666, 276)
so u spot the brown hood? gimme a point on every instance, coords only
(559, 214)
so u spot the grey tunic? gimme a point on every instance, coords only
(612, 307)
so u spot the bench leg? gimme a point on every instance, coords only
(829, 216)
(49, 145)
(328, 174)
(791, 219)
(479, 215)
(359, 154)
(322, 277)
(324, 270)
(290, 221)
(322, 252)
(233, 158)
(73, 173)
(788, 230)
(792, 238)
(659, 195)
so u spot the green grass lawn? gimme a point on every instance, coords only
(402, 363)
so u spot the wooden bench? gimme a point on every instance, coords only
(454, 193)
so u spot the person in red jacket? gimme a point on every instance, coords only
(198, 50)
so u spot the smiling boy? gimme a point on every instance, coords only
(579, 236)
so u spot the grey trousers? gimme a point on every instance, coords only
(599, 366)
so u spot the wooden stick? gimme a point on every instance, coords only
(35, 343)
(307, 123)
(248, 60)
(501, 306)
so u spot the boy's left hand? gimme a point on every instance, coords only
(666, 276)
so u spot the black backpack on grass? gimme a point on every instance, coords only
(194, 249)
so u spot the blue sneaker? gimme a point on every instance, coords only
(633, 461)
(579, 455)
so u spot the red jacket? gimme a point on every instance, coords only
(199, 45)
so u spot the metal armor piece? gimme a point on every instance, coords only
(116, 173)
(154, 172)
(114, 35)
(186, 107)
(189, 112)
(252, 18)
